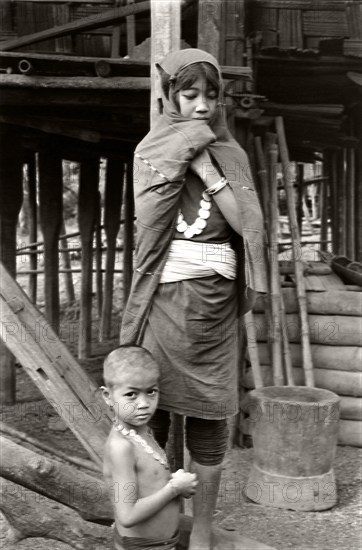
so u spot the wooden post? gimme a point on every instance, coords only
(33, 227)
(112, 210)
(209, 27)
(87, 212)
(128, 232)
(298, 266)
(324, 201)
(350, 222)
(342, 202)
(11, 196)
(99, 256)
(358, 187)
(51, 217)
(334, 201)
(68, 279)
(300, 183)
(165, 38)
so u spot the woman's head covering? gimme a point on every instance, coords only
(175, 62)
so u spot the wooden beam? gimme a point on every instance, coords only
(33, 224)
(75, 82)
(81, 25)
(51, 366)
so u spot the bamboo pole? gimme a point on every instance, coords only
(113, 203)
(33, 226)
(275, 328)
(263, 177)
(298, 265)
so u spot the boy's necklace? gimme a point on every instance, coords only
(160, 456)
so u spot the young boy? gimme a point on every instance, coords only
(146, 494)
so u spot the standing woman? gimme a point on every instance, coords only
(199, 262)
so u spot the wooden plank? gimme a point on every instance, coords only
(51, 366)
(84, 24)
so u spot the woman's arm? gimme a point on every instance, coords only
(203, 167)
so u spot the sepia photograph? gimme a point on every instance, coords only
(180, 274)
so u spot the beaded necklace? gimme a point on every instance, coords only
(197, 227)
(132, 434)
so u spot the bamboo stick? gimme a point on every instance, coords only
(275, 328)
(302, 299)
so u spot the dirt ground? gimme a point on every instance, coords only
(336, 529)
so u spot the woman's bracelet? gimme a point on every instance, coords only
(217, 186)
(176, 489)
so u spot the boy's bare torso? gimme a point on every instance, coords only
(150, 477)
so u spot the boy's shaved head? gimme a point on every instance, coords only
(125, 360)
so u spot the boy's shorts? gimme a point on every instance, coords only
(136, 543)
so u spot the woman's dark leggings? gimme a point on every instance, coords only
(206, 440)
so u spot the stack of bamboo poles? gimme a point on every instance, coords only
(290, 329)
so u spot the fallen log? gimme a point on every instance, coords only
(340, 382)
(33, 515)
(343, 358)
(351, 408)
(350, 433)
(331, 302)
(83, 492)
(331, 330)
